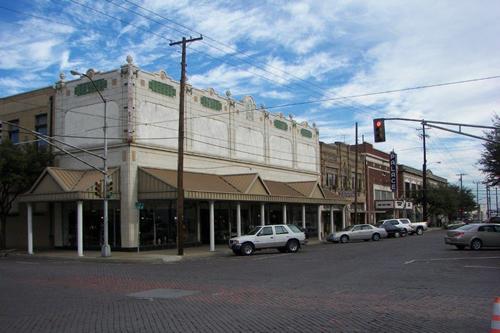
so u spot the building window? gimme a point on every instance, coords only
(14, 131)
(407, 190)
(383, 195)
(331, 180)
(41, 127)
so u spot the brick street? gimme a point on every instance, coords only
(413, 284)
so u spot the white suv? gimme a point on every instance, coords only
(284, 237)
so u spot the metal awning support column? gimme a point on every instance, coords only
(30, 228)
(79, 227)
(304, 216)
(343, 217)
(320, 229)
(262, 214)
(238, 219)
(284, 213)
(332, 224)
(212, 225)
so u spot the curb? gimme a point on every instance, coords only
(116, 260)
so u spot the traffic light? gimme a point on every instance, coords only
(379, 130)
(109, 189)
(98, 189)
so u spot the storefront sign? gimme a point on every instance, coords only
(384, 204)
(394, 171)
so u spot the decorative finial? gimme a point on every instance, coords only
(90, 72)
(228, 93)
(130, 60)
(62, 76)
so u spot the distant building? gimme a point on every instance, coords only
(338, 168)
(378, 183)
(410, 184)
(33, 110)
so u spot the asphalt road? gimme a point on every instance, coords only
(413, 284)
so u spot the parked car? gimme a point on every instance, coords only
(412, 227)
(358, 232)
(494, 219)
(475, 236)
(400, 223)
(284, 237)
(393, 230)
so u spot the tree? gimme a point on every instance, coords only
(490, 158)
(449, 200)
(20, 166)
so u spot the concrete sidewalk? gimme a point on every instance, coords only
(158, 256)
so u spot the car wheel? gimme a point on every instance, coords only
(247, 249)
(460, 247)
(397, 234)
(375, 237)
(404, 233)
(292, 246)
(476, 244)
(344, 239)
(420, 231)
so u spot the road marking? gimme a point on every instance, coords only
(448, 259)
(489, 267)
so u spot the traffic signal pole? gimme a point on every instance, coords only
(424, 177)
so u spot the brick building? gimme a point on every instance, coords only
(378, 183)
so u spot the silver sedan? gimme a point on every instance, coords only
(358, 232)
(475, 236)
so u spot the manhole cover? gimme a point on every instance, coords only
(163, 293)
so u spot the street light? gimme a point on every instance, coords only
(105, 249)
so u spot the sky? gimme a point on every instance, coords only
(289, 52)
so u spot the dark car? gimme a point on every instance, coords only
(394, 231)
(494, 219)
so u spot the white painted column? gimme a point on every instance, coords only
(262, 214)
(284, 213)
(238, 219)
(212, 226)
(343, 217)
(320, 226)
(198, 222)
(30, 228)
(79, 227)
(332, 224)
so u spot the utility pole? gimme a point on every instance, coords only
(496, 195)
(356, 178)
(424, 177)
(477, 201)
(180, 153)
(461, 191)
(488, 206)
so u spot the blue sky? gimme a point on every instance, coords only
(284, 52)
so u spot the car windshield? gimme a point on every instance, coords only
(253, 231)
(466, 227)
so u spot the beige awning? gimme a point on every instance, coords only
(57, 184)
(162, 184)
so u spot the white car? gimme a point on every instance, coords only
(358, 232)
(284, 237)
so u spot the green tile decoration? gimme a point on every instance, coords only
(88, 87)
(162, 88)
(280, 125)
(211, 103)
(306, 133)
